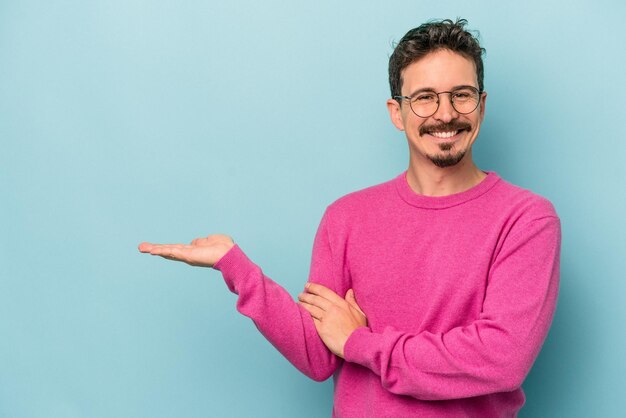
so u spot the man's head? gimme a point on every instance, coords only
(441, 62)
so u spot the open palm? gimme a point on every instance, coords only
(202, 252)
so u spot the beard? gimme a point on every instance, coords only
(446, 160)
(448, 157)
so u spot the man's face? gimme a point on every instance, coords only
(446, 137)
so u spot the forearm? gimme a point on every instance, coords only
(277, 316)
(494, 351)
(464, 362)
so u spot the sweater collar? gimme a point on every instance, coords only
(442, 202)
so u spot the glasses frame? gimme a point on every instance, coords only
(410, 99)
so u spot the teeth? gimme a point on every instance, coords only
(444, 134)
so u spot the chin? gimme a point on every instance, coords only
(447, 160)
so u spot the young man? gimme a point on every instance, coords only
(455, 270)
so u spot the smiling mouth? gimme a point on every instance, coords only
(445, 135)
(446, 130)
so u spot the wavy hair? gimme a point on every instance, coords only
(430, 37)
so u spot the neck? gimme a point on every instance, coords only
(427, 179)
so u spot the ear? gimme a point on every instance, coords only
(395, 113)
(483, 103)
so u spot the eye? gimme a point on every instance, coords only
(463, 95)
(427, 97)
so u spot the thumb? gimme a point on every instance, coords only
(352, 301)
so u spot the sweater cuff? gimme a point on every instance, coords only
(235, 267)
(361, 343)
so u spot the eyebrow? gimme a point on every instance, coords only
(423, 89)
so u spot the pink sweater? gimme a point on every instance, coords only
(459, 293)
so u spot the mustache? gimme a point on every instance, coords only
(445, 127)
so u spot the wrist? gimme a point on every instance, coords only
(352, 342)
(346, 339)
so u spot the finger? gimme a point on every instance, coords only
(144, 247)
(314, 311)
(323, 291)
(315, 300)
(351, 299)
(318, 324)
(177, 252)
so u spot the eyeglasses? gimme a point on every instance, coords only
(426, 103)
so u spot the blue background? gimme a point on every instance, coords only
(125, 121)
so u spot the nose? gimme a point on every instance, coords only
(445, 112)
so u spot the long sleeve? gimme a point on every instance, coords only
(494, 352)
(285, 324)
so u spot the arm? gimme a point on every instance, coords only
(492, 354)
(277, 316)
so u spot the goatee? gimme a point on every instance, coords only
(447, 159)
(444, 161)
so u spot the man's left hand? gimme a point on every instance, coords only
(335, 318)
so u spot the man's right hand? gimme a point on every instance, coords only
(202, 252)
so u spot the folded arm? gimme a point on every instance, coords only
(492, 354)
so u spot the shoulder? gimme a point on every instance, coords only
(360, 207)
(524, 213)
(362, 201)
(523, 202)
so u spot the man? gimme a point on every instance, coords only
(455, 270)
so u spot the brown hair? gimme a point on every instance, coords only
(430, 37)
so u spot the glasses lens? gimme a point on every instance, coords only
(425, 104)
(465, 100)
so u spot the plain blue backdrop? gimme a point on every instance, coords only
(125, 121)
